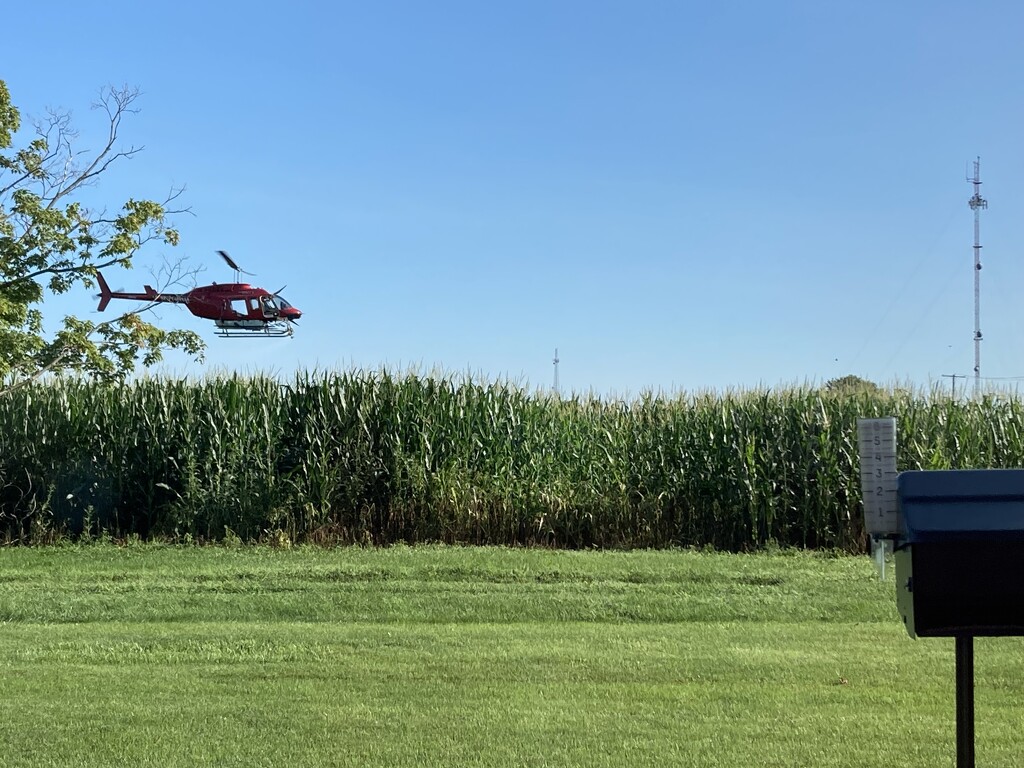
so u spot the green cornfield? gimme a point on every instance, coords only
(376, 458)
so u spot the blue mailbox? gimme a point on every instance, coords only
(960, 553)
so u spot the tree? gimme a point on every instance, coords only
(50, 242)
(852, 385)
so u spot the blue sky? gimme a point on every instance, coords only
(678, 196)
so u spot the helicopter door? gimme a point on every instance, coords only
(269, 308)
(262, 308)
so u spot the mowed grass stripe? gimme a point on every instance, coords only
(727, 694)
(432, 584)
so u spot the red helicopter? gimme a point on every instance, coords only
(237, 309)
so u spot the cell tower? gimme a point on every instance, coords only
(555, 361)
(977, 202)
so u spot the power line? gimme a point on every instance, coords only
(900, 296)
(911, 333)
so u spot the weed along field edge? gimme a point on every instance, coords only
(478, 656)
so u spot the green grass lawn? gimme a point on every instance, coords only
(163, 656)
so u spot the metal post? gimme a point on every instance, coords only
(977, 202)
(964, 701)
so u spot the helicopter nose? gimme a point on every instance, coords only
(291, 313)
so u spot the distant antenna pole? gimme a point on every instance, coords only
(977, 202)
(555, 361)
(954, 377)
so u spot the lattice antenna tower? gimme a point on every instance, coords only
(977, 203)
(555, 361)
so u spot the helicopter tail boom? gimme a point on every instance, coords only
(150, 295)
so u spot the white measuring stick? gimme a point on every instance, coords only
(876, 439)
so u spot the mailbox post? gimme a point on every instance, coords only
(960, 567)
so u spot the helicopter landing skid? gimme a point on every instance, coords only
(266, 330)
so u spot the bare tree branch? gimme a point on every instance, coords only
(116, 102)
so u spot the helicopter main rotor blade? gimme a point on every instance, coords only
(231, 263)
(278, 291)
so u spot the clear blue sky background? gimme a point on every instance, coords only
(676, 195)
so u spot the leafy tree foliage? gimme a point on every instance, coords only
(50, 242)
(852, 385)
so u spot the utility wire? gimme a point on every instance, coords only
(901, 292)
(923, 315)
